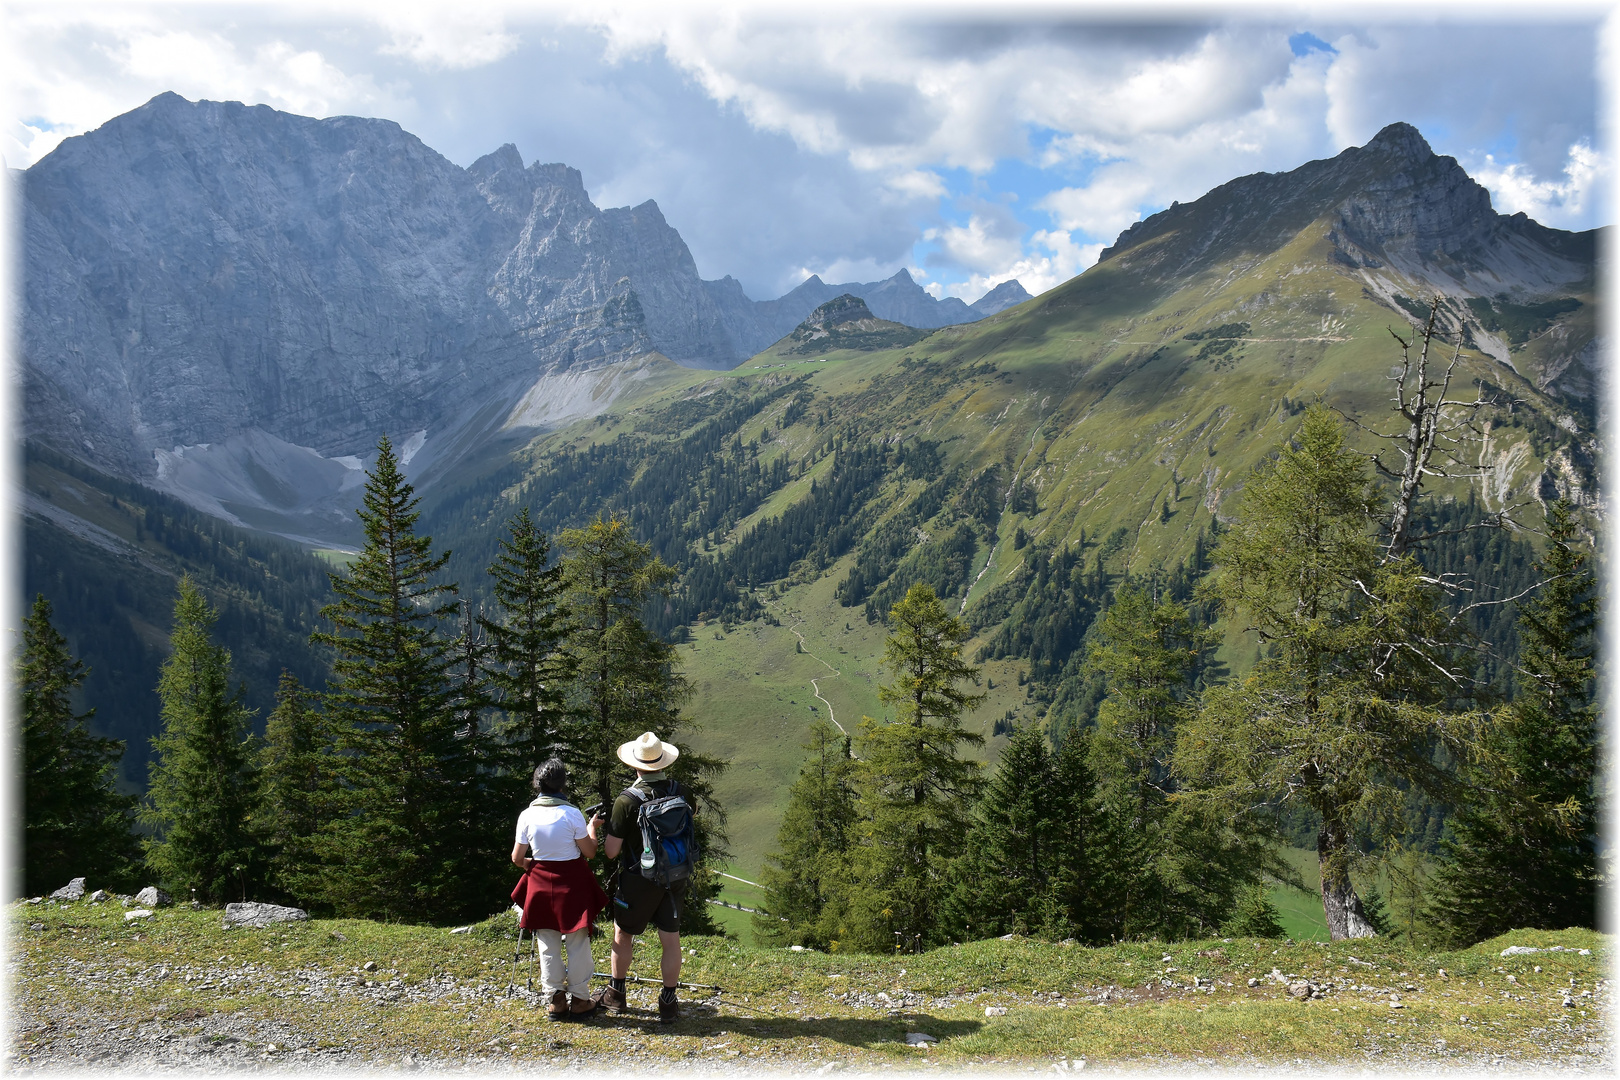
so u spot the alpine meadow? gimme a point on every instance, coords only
(1194, 662)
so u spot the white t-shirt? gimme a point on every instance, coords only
(550, 832)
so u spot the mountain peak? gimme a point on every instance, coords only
(1403, 140)
(843, 308)
(1008, 294)
(507, 157)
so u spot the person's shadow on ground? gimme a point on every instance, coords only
(704, 1019)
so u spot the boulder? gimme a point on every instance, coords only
(153, 897)
(138, 913)
(99, 895)
(73, 890)
(253, 915)
(917, 1038)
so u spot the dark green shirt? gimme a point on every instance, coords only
(622, 821)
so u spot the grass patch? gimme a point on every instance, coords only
(459, 996)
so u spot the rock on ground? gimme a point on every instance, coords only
(73, 890)
(256, 915)
(153, 897)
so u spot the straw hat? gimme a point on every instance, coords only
(648, 753)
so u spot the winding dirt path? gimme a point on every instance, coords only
(815, 684)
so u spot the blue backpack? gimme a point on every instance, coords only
(668, 847)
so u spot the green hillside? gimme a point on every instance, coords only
(1113, 419)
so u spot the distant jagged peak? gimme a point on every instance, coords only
(1009, 293)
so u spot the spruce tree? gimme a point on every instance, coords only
(1172, 869)
(1073, 903)
(203, 788)
(915, 789)
(75, 822)
(530, 666)
(299, 782)
(416, 835)
(1340, 710)
(807, 878)
(1522, 851)
(1009, 854)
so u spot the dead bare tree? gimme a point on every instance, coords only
(1439, 432)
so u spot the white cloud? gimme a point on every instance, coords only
(991, 239)
(1514, 187)
(1059, 258)
(208, 65)
(445, 38)
(74, 71)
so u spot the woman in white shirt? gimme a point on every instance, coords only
(558, 893)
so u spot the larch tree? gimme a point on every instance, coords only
(411, 836)
(626, 681)
(75, 822)
(1340, 709)
(915, 788)
(202, 796)
(1170, 867)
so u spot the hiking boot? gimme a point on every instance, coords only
(610, 999)
(669, 1010)
(558, 1009)
(581, 1007)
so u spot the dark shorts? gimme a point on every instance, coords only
(639, 902)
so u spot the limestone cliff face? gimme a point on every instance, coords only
(193, 270)
(233, 303)
(207, 275)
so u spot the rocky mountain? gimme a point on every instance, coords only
(232, 303)
(845, 322)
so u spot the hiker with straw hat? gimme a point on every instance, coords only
(639, 900)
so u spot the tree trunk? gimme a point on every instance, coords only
(1346, 918)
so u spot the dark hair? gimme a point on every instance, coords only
(550, 777)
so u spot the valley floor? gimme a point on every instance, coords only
(175, 991)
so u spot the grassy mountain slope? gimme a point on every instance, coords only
(1114, 417)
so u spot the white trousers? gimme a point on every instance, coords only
(549, 945)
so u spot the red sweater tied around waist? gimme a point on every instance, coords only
(561, 896)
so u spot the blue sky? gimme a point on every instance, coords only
(853, 141)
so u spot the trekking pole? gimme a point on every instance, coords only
(517, 954)
(660, 982)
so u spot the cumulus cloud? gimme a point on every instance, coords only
(445, 38)
(1514, 187)
(991, 239)
(73, 69)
